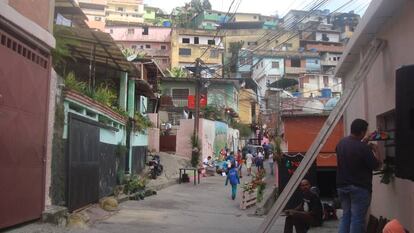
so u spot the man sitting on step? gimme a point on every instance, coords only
(307, 214)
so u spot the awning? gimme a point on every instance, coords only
(89, 45)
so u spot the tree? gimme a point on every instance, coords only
(197, 6)
(234, 49)
(177, 72)
(206, 5)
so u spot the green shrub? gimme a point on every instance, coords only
(72, 83)
(135, 184)
(140, 123)
(105, 95)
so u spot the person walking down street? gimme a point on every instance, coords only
(249, 162)
(223, 154)
(259, 161)
(234, 181)
(239, 162)
(307, 214)
(230, 160)
(356, 161)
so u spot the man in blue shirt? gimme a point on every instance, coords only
(356, 161)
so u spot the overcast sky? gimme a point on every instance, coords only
(266, 7)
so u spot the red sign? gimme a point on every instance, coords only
(191, 101)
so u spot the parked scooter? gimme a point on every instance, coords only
(155, 166)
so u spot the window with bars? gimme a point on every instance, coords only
(181, 94)
(184, 51)
(214, 53)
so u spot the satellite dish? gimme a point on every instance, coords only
(132, 57)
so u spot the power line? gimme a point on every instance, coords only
(278, 35)
(218, 29)
(294, 35)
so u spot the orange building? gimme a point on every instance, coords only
(300, 130)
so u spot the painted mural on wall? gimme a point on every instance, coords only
(209, 131)
(233, 139)
(220, 138)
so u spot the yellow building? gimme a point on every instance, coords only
(125, 11)
(187, 45)
(248, 106)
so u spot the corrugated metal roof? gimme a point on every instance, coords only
(88, 45)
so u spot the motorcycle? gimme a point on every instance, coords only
(155, 166)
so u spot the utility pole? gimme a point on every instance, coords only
(197, 96)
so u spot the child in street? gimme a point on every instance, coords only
(234, 180)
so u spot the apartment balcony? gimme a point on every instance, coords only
(335, 48)
(329, 63)
(180, 102)
(295, 70)
(154, 52)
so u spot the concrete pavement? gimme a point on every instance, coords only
(181, 208)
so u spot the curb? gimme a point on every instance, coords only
(264, 206)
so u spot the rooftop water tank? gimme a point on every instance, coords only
(166, 24)
(326, 93)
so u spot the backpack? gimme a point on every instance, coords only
(233, 176)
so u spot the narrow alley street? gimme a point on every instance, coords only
(182, 208)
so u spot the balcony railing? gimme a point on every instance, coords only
(295, 70)
(329, 63)
(180, 102)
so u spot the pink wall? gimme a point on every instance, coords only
(376, 96)
(153, 117)
(155, 34)
(28, 9)
(154, 139)
(183, 147)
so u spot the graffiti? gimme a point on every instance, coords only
(220, 138)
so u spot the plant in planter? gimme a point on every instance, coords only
(259, 183)
(135, 184)
(73, 84)
(140, 123)
(105, 95)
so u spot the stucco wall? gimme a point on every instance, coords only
(376, 96)
(183, 145)
(214, 135)
(154, 139)
(41, 17)
(207, 135)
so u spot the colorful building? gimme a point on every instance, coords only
(188, 45)
(300, 130)
(124, 12)
(147, 41)
(209, 19)
(248, 107)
